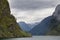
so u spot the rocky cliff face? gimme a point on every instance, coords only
(56, 13)
(55, 22)
(8, 26)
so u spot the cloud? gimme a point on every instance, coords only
(32, 4)
(35, 16)
(31, 11)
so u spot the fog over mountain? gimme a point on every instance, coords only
(31, 11)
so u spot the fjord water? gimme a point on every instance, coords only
(37, 38)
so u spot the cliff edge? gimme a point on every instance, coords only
(8, 25)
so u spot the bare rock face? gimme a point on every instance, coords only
(56, 14)
(8, 26)
(55, 22)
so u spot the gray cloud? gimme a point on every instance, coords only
(31, 4)
(32, 11)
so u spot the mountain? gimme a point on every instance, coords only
(49, 26)
(32, 25)
(8, 25)
(55, 22)
(27, 26)
(42, 28)
(24, 26)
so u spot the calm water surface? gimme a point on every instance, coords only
(38, 38)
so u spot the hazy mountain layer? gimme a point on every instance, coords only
(24, 26)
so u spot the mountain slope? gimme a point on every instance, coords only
(24, 26)
(42, 28)
(49, 26)
(55, 22)
(8, 26)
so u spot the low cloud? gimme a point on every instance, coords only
(32, 4)
(35, 16)
(31, 11)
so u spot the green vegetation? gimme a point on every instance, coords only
(55, 28)
(8, 26)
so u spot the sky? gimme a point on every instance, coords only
(32, 11)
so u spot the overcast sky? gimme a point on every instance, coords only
(31, 11)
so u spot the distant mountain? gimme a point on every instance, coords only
(42, 28)
(32, 25)
(24, 26)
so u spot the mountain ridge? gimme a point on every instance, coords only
(50, 25)
(24, 26)
(55, 22)
(8, 25)
(42, 27)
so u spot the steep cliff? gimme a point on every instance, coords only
(8, 26)
(55, 22)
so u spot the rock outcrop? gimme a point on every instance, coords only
(56, 13)
(8, 26)
(55, 22)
